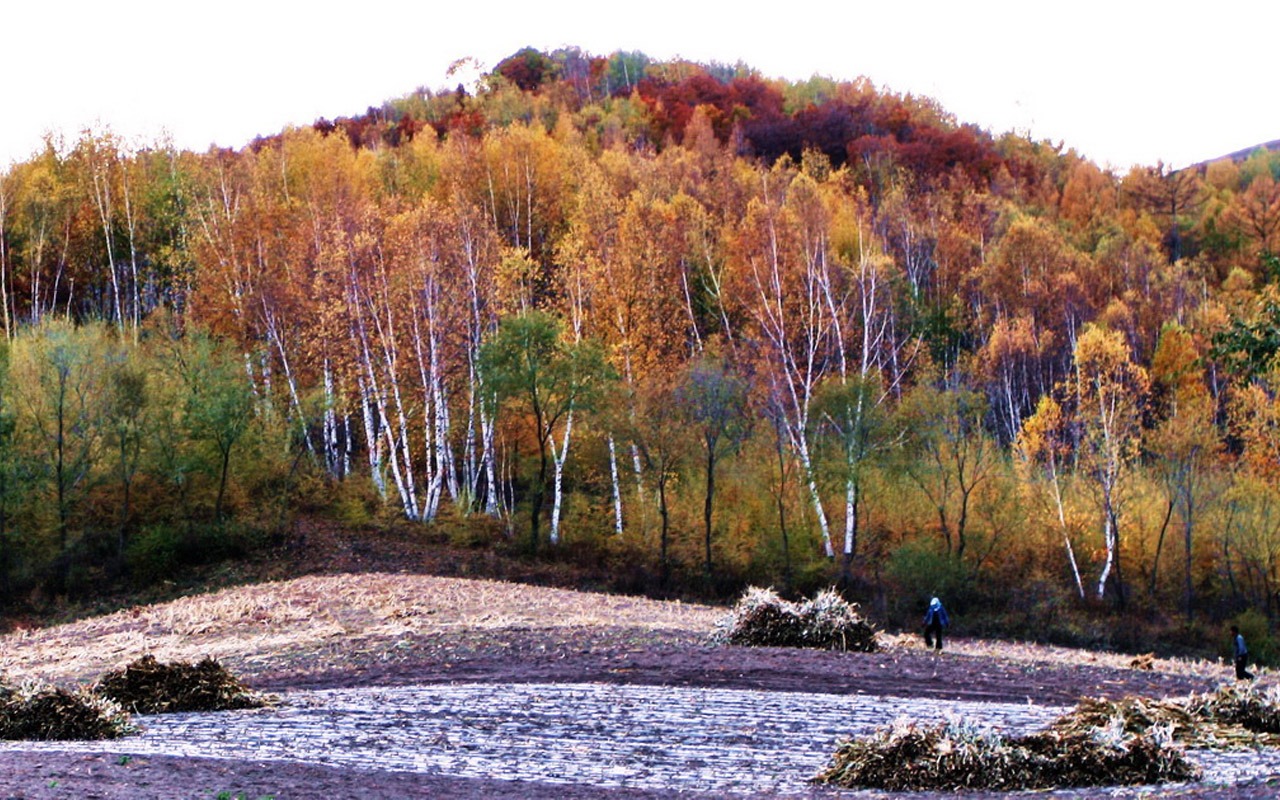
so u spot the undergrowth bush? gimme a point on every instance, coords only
(1257, 635)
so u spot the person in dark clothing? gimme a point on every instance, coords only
(1240, 653)
(935, 619)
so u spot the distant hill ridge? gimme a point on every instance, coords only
(1242, 155)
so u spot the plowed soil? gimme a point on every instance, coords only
(354, 629)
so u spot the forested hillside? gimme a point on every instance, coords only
(715, 327)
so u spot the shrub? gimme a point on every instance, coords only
(1257, 635)
(917, 571)
(152, 554)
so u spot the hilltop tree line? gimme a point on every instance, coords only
(715, 327)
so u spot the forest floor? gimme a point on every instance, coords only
(395, 683)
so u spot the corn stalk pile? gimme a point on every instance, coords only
(1137, 715)
(147, 686)
(47, 713)
(1099, 743)
(1250, 707)
(826, 622)
(1232, 717)
(951, 756)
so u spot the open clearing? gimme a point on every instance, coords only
(408, 685)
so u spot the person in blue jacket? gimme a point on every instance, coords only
(935, 619)
(1240, 652)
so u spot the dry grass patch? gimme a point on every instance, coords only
(253, 623)
(1044, 654)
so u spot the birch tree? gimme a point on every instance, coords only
(1108, 393)
(788, 312)
(1044, 452)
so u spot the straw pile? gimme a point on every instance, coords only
(1145, 661)
(907, 757)
(827, 622)
(1134, 715)
(147, 686)
(46, 713)
(1099, 743)
(1234, 716)
(1250, 707)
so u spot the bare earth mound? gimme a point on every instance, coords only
(387, 630)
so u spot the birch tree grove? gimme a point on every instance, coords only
(787, 309)
(415, 314)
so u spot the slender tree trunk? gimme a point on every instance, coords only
(222, 482)
(102, 199)
(815, 497)
(1188, 523)
(782, 506)
(664, 560)
(136, 301)
(1062, 524)
(708, 503)
(332, 457)
(850, 520)
(559, 456)
(535, 504)
(617, 488)
(273, 332)
(4, 267)
(1155, 563)
(373, 438)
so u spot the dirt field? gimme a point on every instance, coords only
(325, 632)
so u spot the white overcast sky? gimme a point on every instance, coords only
(1121, 81)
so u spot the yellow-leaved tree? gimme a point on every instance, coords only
(1184, 445)
(1107, 393)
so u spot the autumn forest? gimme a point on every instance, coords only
(697, 326)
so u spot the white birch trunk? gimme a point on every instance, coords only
(346, 445)
(488, 435)
(446, 475)
(133, 253)
(1062, 522)
(797, 367)
(558, 457)
(637, 467)
(102, 199)
(373, 439)
(815, 497)
(273, 332)
(332, 459)
(431, 500)
(410, 489)
(850, 514)
(617, 489)
(4, 264)
(1109, 539)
